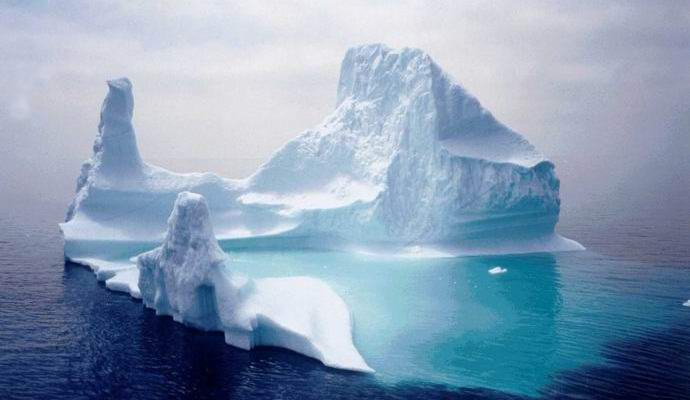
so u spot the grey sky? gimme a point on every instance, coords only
(596, 85)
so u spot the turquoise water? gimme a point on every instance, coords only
(449, 321)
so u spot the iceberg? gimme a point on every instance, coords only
(187, 278)
(407, 163)
(408, 159)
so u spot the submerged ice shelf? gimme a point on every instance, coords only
(408, 163)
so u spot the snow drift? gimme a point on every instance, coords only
(407, 160)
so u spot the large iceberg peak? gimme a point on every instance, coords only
(405, 87)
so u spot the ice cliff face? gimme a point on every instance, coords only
(408, 159)
(188, 278)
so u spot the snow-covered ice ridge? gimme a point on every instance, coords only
(408, 162)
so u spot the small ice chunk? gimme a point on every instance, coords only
(497, 270)
(687, 303)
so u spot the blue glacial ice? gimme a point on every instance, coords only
(408, 163)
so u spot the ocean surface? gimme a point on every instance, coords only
(608, 322)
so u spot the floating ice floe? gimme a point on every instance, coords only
(497, 270)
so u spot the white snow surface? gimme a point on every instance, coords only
(186, 278)
(407, 159)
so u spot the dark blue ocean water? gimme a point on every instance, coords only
(604, 323)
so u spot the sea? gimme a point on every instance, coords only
(604, 323)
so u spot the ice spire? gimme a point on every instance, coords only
(115, 148)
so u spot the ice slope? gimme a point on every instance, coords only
(408, 162)
(186, 277)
